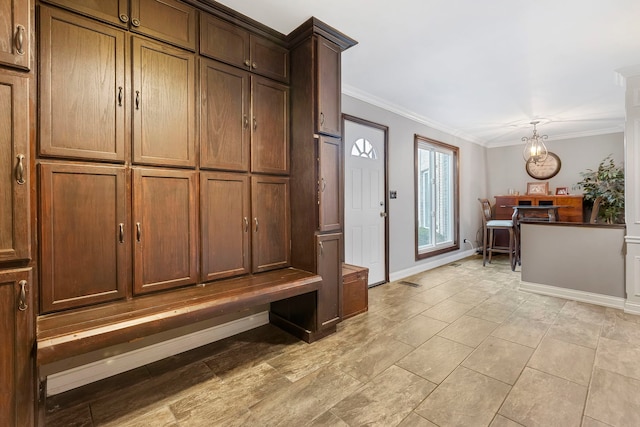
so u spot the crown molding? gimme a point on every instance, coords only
(386, 105)
(379, 102)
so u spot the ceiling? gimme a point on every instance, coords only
(481, 70)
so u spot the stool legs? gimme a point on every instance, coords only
(488, 247)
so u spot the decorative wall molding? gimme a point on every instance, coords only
(632, 307)
(572, 294)
(402, 274)
(86, 374)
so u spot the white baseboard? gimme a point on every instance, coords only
(82, 375)
(632, 307)
(572, 294)
(399, 275)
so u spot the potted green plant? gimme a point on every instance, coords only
(607, 182)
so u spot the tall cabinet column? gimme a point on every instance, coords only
(17, 291)
(316, 178)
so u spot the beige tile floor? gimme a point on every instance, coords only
(464, 348)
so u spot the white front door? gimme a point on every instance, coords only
(364, 198)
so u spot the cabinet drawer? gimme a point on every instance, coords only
(15, 33)
(168, 20)
(269, 59)
(228, 43)
(503, 207)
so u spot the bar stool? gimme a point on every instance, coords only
(488, 240)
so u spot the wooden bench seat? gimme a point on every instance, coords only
(66, 334)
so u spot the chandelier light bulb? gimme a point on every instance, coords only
(534, 148)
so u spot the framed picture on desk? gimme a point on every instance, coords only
(537, 188)
(562, 191)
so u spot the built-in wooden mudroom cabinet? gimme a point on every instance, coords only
(18, 291)
(162, 153)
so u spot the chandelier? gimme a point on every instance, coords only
(534, 149)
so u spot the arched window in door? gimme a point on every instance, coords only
(363, 148)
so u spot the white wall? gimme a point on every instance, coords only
(401, 179)
(506, 165)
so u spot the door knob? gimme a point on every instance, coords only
(384, 214)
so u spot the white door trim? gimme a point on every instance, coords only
(385, 130)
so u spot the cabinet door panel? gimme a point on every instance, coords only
(114, 12)
(269, 59)
(328, 114)
(271, 223)
(15, 33)
(14, 151)
(329, 191)
(83, 228)
(224, 41)
(224, 122)
(17, 338)
(225, 214)
(330, 268)
(168, 20)
(164, 229)
(270, 127)
(83, 95)
(164, 104)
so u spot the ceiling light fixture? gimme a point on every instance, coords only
(534, 149)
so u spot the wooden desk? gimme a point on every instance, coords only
(570, 209)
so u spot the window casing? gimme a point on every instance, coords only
(437, 198)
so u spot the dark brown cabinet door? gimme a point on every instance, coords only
(225, 225)
(83, 93)
(164, 229)
(14, 161)
(84, 246)
(224, 41)
(17, 334)
(330, 268)
(330, 184)
(168, 20)
(270, 223)
(269, 127)
(225, 117)
(229, 43)
(114, 12)
(269, 59)
(15, 33)
(163, 104)
(328, 87)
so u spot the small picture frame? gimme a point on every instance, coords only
(562, 191)
(537, 188)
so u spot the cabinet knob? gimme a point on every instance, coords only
(247, 62)
(321, 248)
(256, 221)
(121, 232)
(19, 41)
(138, 231)
(20, 169)
(124, 18)
(22, 300)
(137, 100)
(321, 118)
(246, 224)
(119, 96)
(135, 22)
(254, 65)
